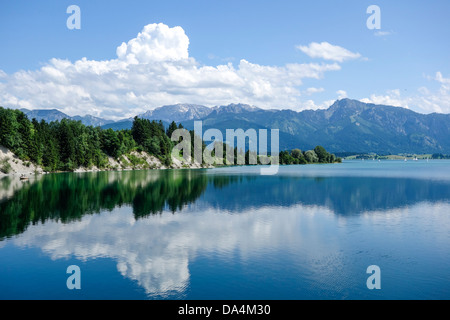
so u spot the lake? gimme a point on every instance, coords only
(309, 232)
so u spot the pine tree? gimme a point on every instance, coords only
(171, 129)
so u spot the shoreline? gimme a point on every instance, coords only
(133, 161)
(31, 174)
(40, 171)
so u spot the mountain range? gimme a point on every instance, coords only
(56, 115)
(346, 126)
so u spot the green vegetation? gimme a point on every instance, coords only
(68, 144)
(318, 155)
(5, 167)
(400, 156)
(440, 156)
(153, 138)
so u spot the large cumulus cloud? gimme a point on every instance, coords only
(156, 42)
(151, 70)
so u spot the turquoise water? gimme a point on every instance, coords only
(309, 232)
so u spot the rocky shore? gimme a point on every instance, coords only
(10, 164)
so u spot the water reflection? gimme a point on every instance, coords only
(154, 223)
(67, 197)
(344, 196)
(156, 252)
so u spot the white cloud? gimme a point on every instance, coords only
(437, 100)
(312, 105)
(155, 69)
(151, 70)
(424, 100)
(341, 94)
(383, 33)
(313, 90)
(391, 98)
(327, 51)
(156, 42)
(445, 82)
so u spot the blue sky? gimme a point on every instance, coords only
(405, 63)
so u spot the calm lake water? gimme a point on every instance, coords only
(309, 232)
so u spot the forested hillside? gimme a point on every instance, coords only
(66, 145)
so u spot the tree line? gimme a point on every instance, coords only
(317, 155)
(440, 156)
(68, 144)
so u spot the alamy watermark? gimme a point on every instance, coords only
(213, 154)
(74, 20)
(374, 280)
(374, 20)
(74, 280)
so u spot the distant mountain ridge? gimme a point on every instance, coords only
(346, 126)
(177, 113)
(56, 115)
